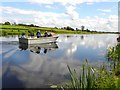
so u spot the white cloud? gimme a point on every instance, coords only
(41, 1)
(64, 2)
(71, 12)
(50, 19)
(89, 3)
(12, 10)
(104, 10)
(12, 0)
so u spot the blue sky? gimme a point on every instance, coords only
(100, 16)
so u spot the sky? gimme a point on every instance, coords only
(96, 15)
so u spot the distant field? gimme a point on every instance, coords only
(18, 30)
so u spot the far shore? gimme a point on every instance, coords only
(18, 30)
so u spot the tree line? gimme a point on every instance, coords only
(20, 24)
(77, 29)
(32, 25)
(82, 28)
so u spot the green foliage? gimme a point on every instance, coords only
(4, 33)
(114, 53)
(85, 80)
(114, 57)
(7, 23)
(104, 79)
(91, 78)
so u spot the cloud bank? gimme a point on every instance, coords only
(70, 16)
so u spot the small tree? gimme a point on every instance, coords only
(77, 29)
(69, 28)
(65, 28)
(87, 30)
(7, 23)
(31, 25)
(55, 27)
(82, 28)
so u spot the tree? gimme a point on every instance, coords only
(65, 28)
(55, 27)
(7, 23)
(82, 28)
(77, 29)
(31, 25)
(69, 28)
(87, 30)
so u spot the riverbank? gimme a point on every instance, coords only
(18, 30)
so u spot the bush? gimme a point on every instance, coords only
(114, 58)
(7, 23)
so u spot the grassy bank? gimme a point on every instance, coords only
(18, 30)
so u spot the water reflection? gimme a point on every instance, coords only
(39, 48)
(92, 47)
(82, 37)
(35, 66)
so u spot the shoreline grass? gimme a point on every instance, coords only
(96, 78)
(18, 30)
(91, 78)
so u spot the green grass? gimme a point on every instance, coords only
(90, 78)
(99, 78)
(85, 80)
(17, 30)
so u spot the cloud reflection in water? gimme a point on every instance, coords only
(38, 70)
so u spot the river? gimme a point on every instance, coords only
(45, 65)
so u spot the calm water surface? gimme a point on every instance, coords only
(42, 65)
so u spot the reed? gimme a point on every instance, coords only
(91, 78)
(85, 80)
